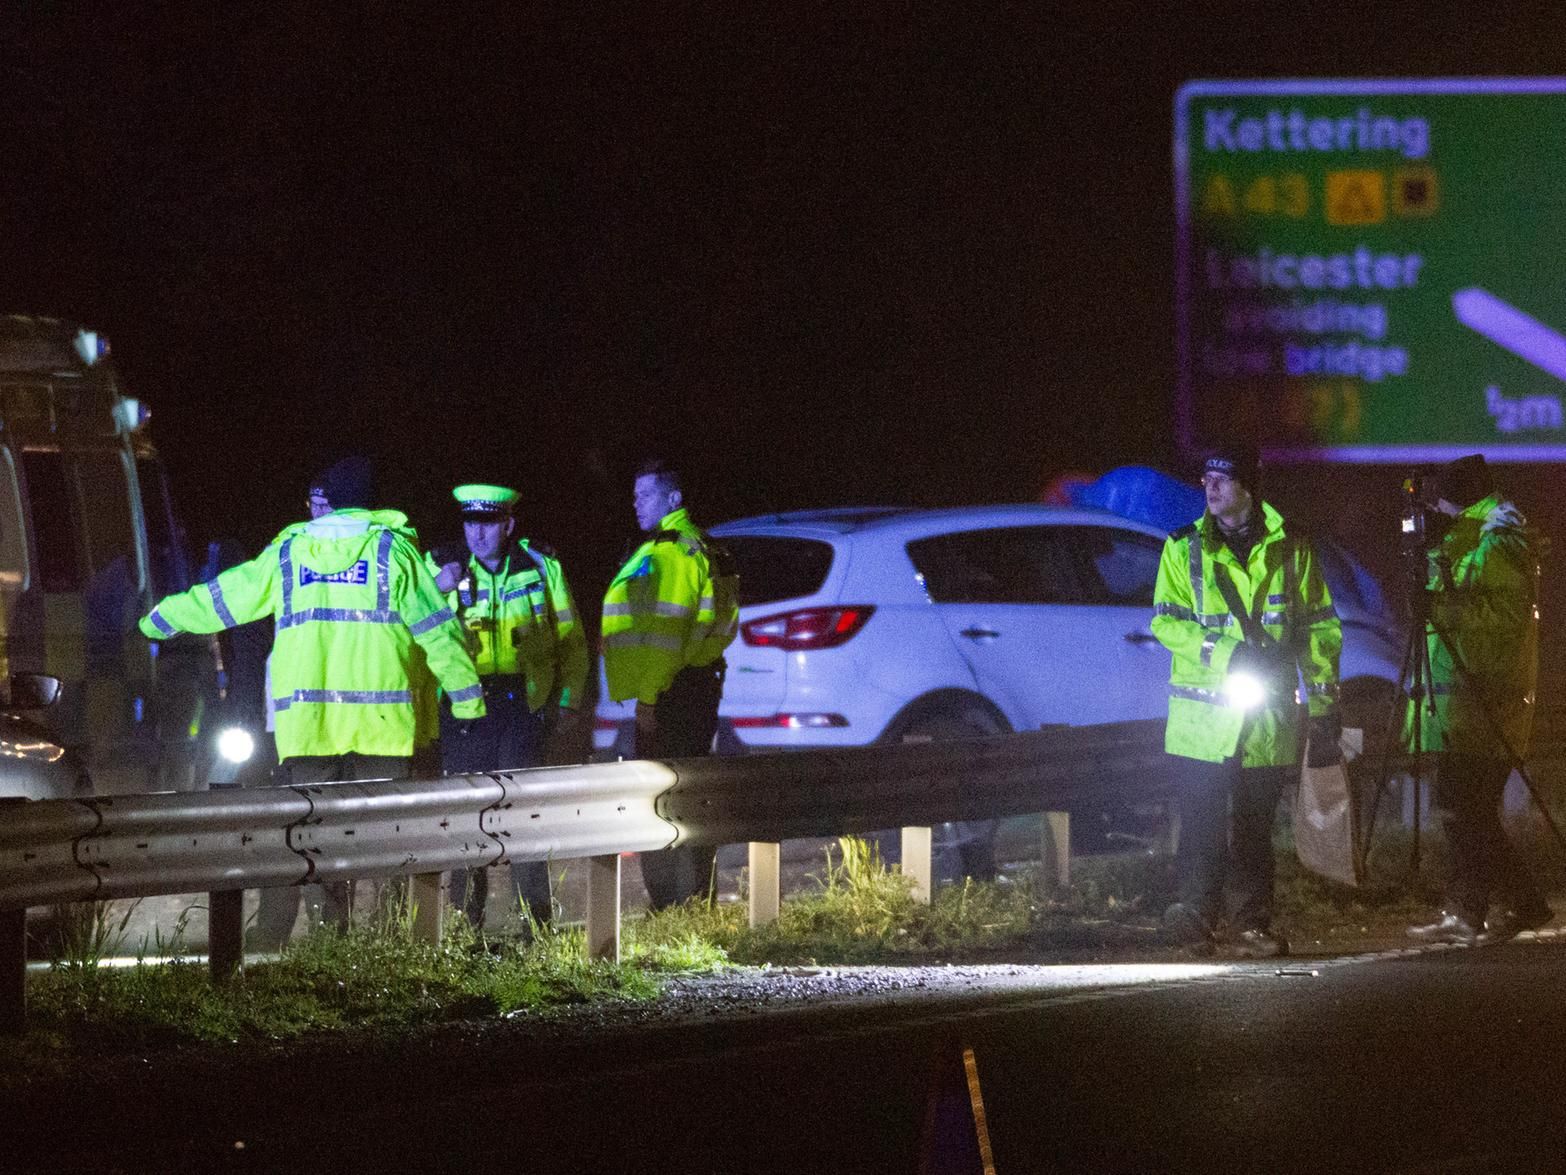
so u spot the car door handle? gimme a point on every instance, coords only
(1141, 638)
(979, 634)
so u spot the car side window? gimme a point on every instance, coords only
(1006, 565)
(1120, 566)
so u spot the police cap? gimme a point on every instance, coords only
(484, 503)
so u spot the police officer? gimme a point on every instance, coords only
(350, 596)
(1483, 638)
(516, 612)
(1242, 608)
(668, 615)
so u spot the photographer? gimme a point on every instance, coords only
(1242, 608)
(1481, 620)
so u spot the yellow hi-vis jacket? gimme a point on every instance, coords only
(1281, 587)
(520, 618)
(350, 596)
(1484, 585)
(674, 604)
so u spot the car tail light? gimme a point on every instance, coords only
(788, 721)
(605, 724)
(807, 628)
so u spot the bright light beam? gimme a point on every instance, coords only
(1512, 330)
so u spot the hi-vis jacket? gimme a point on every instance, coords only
(1281, 587)
(520, 618)
(674, 604)
(1484, 584)
(350, 595)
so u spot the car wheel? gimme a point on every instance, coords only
(947, 724)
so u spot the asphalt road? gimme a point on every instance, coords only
(1440, 1060)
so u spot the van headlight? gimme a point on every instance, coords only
(236, 744)
(1244, 691)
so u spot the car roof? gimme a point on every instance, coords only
(855, 519)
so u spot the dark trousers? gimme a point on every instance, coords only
(280, 907)
(687, 722)
(509, 737)
(1485, 864)
(1226, 815)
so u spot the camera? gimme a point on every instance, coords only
(1416, 512)
(1423, 526)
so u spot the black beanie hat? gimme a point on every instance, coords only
(348, 485)
(1239, 461)
(1464, 481)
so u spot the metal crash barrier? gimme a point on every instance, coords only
(225, 841)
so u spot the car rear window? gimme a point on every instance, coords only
(777, 568)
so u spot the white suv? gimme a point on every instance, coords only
(863, 625)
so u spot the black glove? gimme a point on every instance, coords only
(1323, 749)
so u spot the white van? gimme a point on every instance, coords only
(88, 543)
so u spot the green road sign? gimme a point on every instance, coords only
(1373, 270)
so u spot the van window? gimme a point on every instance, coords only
(13, 535)
(1007, 565)
(1119, 566)
(54, 521)
(777, 568)
(166, 562)
(106, 513)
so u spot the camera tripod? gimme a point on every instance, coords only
(1416, 673)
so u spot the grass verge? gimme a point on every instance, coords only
(372, 979)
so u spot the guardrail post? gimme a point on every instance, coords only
(13, 971)
(603, 907)
(1055, 849)
(766, 882)
(916, 862)
(13, 960)
(429, 912)
(225, 933)
(1171, 838)
(225, 923)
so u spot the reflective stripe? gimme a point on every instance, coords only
(617, 640)
(355, 697)
(286, 563)
(617, 610)
(1322, 614)
(467, 693)
(1195, 543)
(161, 624)
(1178, 611)
(1325, 689)
(565, 616)
(433, 620)
(1274, 617)
(339, 616)
(518, 593)
(221, 608)
(383, 571)
(663, 609)
(1209, 643)
(1275, 598)
(1192, 694)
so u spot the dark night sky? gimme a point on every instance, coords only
(830, 255)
